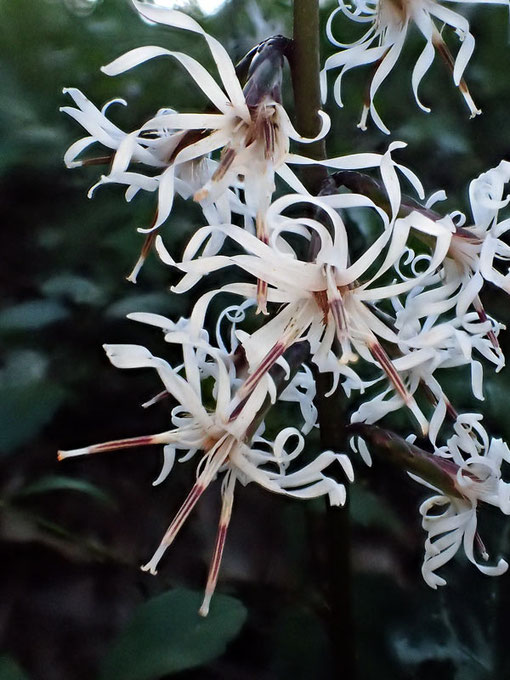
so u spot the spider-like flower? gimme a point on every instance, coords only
(252, 127)
(473, 257)
(421, 325)
(424, 349)
(323, 300)
(230, 437)
(473, 461)
(382, 44)
(249, 126)
(475, 247)
(464, 473)
(149, 150)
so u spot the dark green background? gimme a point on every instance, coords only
(72, 536)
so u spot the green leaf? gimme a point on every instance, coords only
(76, 288)
(50, 483)
(25, 410)
(31, 315)
(368, 510)
(167, 635)
(9, 670)
(149, 302)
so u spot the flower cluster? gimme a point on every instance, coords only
(383, 323)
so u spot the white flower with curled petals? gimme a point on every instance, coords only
(130, 152)
(428, 344)
(416, 369)
(248, 125)
(476, 247)
(446, 312)
(479, 459)
(477, 253)
(473, 462)
(229, 437)
(382, 44)
(452, 342)
(324, 302)
(454, 526)
(252, 128)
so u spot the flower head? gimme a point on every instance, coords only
(473, 461)
(464, 473)
(229, 437)
(474, 255)
(382, 44)
(248, 126)
(324, 301)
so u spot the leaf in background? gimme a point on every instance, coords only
(50, 483)
(149, 302)
(367, 509)
(76, 288)
(25, 410)
(167, 635)
(9, 669)
(31, 315)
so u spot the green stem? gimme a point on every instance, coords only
(332, 420)
(60, 532)
(305, 67)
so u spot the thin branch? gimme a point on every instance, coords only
(305, 67)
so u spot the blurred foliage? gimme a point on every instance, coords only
(51, 483)
(9, 670)
(167, 635)
(73, 600)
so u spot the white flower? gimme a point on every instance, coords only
(416, 369)
(388, 169)
(474, 248)
(468, 261)
(251, 127)
(324, 302)
(474, 463)
(429, 340)
(223, 435)
(453, 527)
(425, 322)
(382, 44)
(144, 148)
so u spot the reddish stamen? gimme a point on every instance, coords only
(448, 59)
(366, 98)
(477, 304)
(227, 158)
(116, 444)
(144, 253)
(99, 160)
(212, 578)
(157, 398)
(262, 235)
(217, 459)
(267, 362)
(481, 546)
(386, 364)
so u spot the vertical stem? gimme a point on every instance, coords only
(305, 66)
(332, 420)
